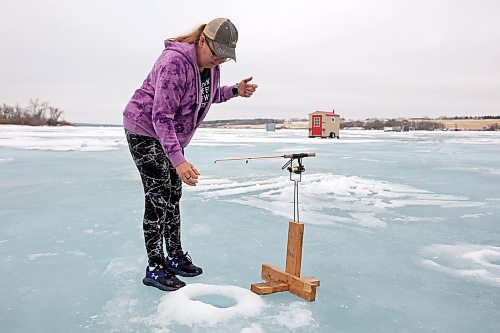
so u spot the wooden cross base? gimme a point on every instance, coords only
(288, 280)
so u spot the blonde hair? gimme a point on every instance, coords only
(192, 38)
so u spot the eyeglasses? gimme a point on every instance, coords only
(215, 57)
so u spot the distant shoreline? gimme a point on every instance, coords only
(432, 124)
(443, 124)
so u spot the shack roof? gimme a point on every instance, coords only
(326, 113)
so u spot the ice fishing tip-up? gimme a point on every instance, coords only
(290, 279)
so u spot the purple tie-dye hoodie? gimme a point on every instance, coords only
(166, 106)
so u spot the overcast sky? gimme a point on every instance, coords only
(385, 58)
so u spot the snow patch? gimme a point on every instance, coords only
(179, 307)
(62, 138)
(365, 199)
(471, 216)
(480, 263)
(39, 255)
(297, 315)
(253, 328)
(77, 253)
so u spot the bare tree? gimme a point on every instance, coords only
(37, 113)
(54, 114)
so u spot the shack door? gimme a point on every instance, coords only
(317, 125)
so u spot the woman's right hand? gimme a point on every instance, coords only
(188, 173)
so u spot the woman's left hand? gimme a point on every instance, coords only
(246, 89)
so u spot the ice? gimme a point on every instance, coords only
(400, 228)
(6, 160)
(200, 229)
(118, 266)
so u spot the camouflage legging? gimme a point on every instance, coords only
(162, 191)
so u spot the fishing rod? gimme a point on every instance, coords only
(292, 169)
(291, 156)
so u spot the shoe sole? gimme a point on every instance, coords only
(156, 284)
(182, 273)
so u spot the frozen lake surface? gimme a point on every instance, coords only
(402, 229)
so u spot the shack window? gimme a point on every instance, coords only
(316, 121)
(333, 119)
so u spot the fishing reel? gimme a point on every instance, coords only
(295, 169)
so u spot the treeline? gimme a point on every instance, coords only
(235, 122)
(35, 114)
(470, 117)
(378, 124)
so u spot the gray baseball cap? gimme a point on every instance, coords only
(224, 36)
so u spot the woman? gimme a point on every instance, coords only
(159, 122)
